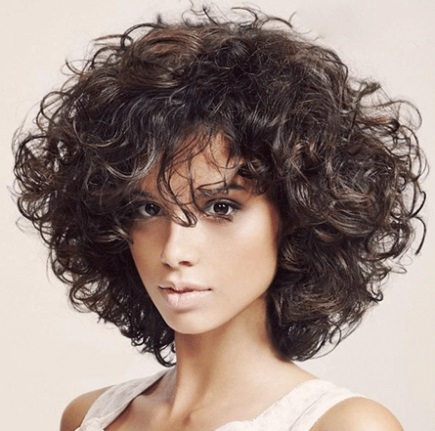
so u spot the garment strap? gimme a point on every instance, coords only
(324, 401)
(299, 410)
(108, 406)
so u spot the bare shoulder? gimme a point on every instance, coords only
(358, 414)
(76, 410)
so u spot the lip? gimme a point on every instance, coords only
(184, 296)
(182, 287)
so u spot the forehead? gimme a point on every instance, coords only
(197, 165)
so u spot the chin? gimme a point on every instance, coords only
(188, 325)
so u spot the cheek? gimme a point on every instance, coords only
(144, 254)
(260, 232)
(251, 249)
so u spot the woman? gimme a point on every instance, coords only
(231, 199)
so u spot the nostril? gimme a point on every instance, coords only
(179, 247)
(174, 264)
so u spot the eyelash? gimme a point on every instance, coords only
(232, 206)
(141, 210)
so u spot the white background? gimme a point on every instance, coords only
(50, 354)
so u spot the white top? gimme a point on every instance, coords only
(299, 410)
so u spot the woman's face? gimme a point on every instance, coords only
(216, 272)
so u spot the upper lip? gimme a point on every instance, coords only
(182, 286)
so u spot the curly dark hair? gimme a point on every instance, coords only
(338, 157)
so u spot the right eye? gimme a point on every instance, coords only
(149, 210)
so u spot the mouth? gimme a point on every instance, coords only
(181, 288)
(181, 291)
(182, 297)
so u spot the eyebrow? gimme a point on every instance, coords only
(142, 194)
(204, 190)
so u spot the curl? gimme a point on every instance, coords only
(340, 160)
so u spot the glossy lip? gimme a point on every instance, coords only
(181, 287)
(183, 296)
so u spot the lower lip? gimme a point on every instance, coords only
(184, 300)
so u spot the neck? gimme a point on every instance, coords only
(225, 351)
(227, 359)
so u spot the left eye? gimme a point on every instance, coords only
(221, 208)
(149, 210)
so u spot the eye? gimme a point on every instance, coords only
(222, 208)
(149, 210)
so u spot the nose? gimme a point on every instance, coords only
(181, 246)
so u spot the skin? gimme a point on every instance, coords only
(221, 340)
(235, 226)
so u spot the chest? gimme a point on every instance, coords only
(157, 417)
(123, 408)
